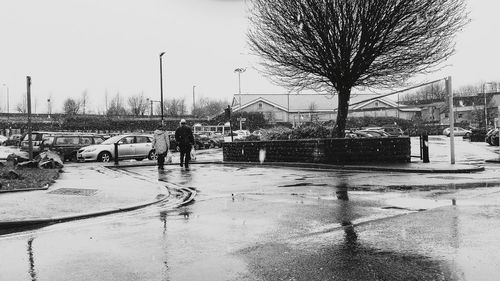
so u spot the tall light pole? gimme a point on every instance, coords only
(194, 86)
(7, 87)
(239, 71)
(485, 107)
(161, 86)
(48, 108)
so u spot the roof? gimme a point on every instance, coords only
(296, 102)
(388, 102)
(313, 102)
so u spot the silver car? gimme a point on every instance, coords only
(457, 131)
(130, 146)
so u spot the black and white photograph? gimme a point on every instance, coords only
(249, 140)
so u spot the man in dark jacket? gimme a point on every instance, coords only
(185, 139)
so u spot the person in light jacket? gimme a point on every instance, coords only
(161, 145)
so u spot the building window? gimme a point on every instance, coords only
(260, 105)
(376, 104)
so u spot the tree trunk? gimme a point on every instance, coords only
(343, 109)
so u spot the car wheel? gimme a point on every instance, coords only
(104, 157)
(152, 155)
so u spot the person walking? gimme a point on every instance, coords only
(185, 139)
(161, 145)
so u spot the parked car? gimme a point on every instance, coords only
(371, 133)
(202, 142)
(36, 139)
(3, 139)
(457, 131)
(492, 137)
(241, 134)
(393, 130)
(68, 145)
(217, 139)
(130, 146)
(13, 140)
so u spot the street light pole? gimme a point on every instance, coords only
(48, 108)
(161, 86)
(7, 87)
(485, 107)
(194, 86)
(239, 71)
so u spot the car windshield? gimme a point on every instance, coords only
(112, 140)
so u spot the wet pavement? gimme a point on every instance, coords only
(268, 223)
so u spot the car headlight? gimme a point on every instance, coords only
(90, 149)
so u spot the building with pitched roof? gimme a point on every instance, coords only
(299, 108)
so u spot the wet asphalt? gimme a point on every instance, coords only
(266, 223)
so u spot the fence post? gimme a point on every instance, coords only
(425, 147)
(116, 153)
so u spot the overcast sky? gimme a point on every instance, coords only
(113, 46)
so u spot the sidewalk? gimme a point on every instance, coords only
(81, 191)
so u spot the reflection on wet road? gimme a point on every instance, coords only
(263, 223)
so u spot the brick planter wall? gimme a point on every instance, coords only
(326, 151)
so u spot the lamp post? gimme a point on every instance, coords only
(239, 71)
(161, 86)
(194, 86)
(7, 87)
(48, 108)
(485, 107)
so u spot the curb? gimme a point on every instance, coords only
(187, 197)
(469, 169)
(24, 223)
(24, 190)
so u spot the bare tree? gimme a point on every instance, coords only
(335, 45)
(312, 111)
(137, 104)
(428, 94)
(175, 107)
(115, 106)
(71, 106)
(469, 90)
(83, 102)
(22, 107)
(206, 107)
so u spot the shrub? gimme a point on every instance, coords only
(276, 133)
(312, 131)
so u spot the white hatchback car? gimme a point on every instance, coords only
(130, 146)
(457, 131)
